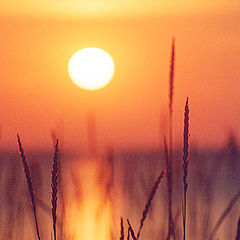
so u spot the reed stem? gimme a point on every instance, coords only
(29, 182)
(185, 165)
(55, 172)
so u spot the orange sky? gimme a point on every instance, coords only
(37, 94)
(93, 8)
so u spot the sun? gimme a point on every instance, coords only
(91, 68)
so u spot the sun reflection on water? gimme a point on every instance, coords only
(89, 210)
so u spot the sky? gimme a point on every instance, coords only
(38, 38)
(76, 8)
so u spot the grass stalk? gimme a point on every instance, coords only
(55, 172)
(185, 166)
(238, 230)
(224, 215)
(169, 182)
(29, 182)
(131, 230)
(148, 204)
(128, 235)
(169, 190)
(171, 77)
(122, 230)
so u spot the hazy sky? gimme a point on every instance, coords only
(114, 7)
(37, 94)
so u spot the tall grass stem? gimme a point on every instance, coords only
(169, 181)
(169, 190)
(224, 215)
(29, 182)
(55, 172)
(238, 230)
(122, 230)
(148, 204)
(131, 230)
(185, 165)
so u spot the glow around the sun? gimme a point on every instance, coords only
(91, 68)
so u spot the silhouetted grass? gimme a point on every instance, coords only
(148, 204)
(185, 165)
(169, 170)
(131, 230)
(128, 234)
(169, 190)
(224, 215)
(29, 182)
(55, 171)
(238, 230)
(122, 230)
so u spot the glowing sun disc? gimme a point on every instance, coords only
(91, 68)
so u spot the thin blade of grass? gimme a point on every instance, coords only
(238, 230)
(185, 166)
(128, 235)
(169, 190)
(131, 231)
(55, 172)
(224, 215)
(148, 204)
(171, 76)
(169, 182)
(122, 230)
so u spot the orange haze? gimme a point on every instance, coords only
(37, 95)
